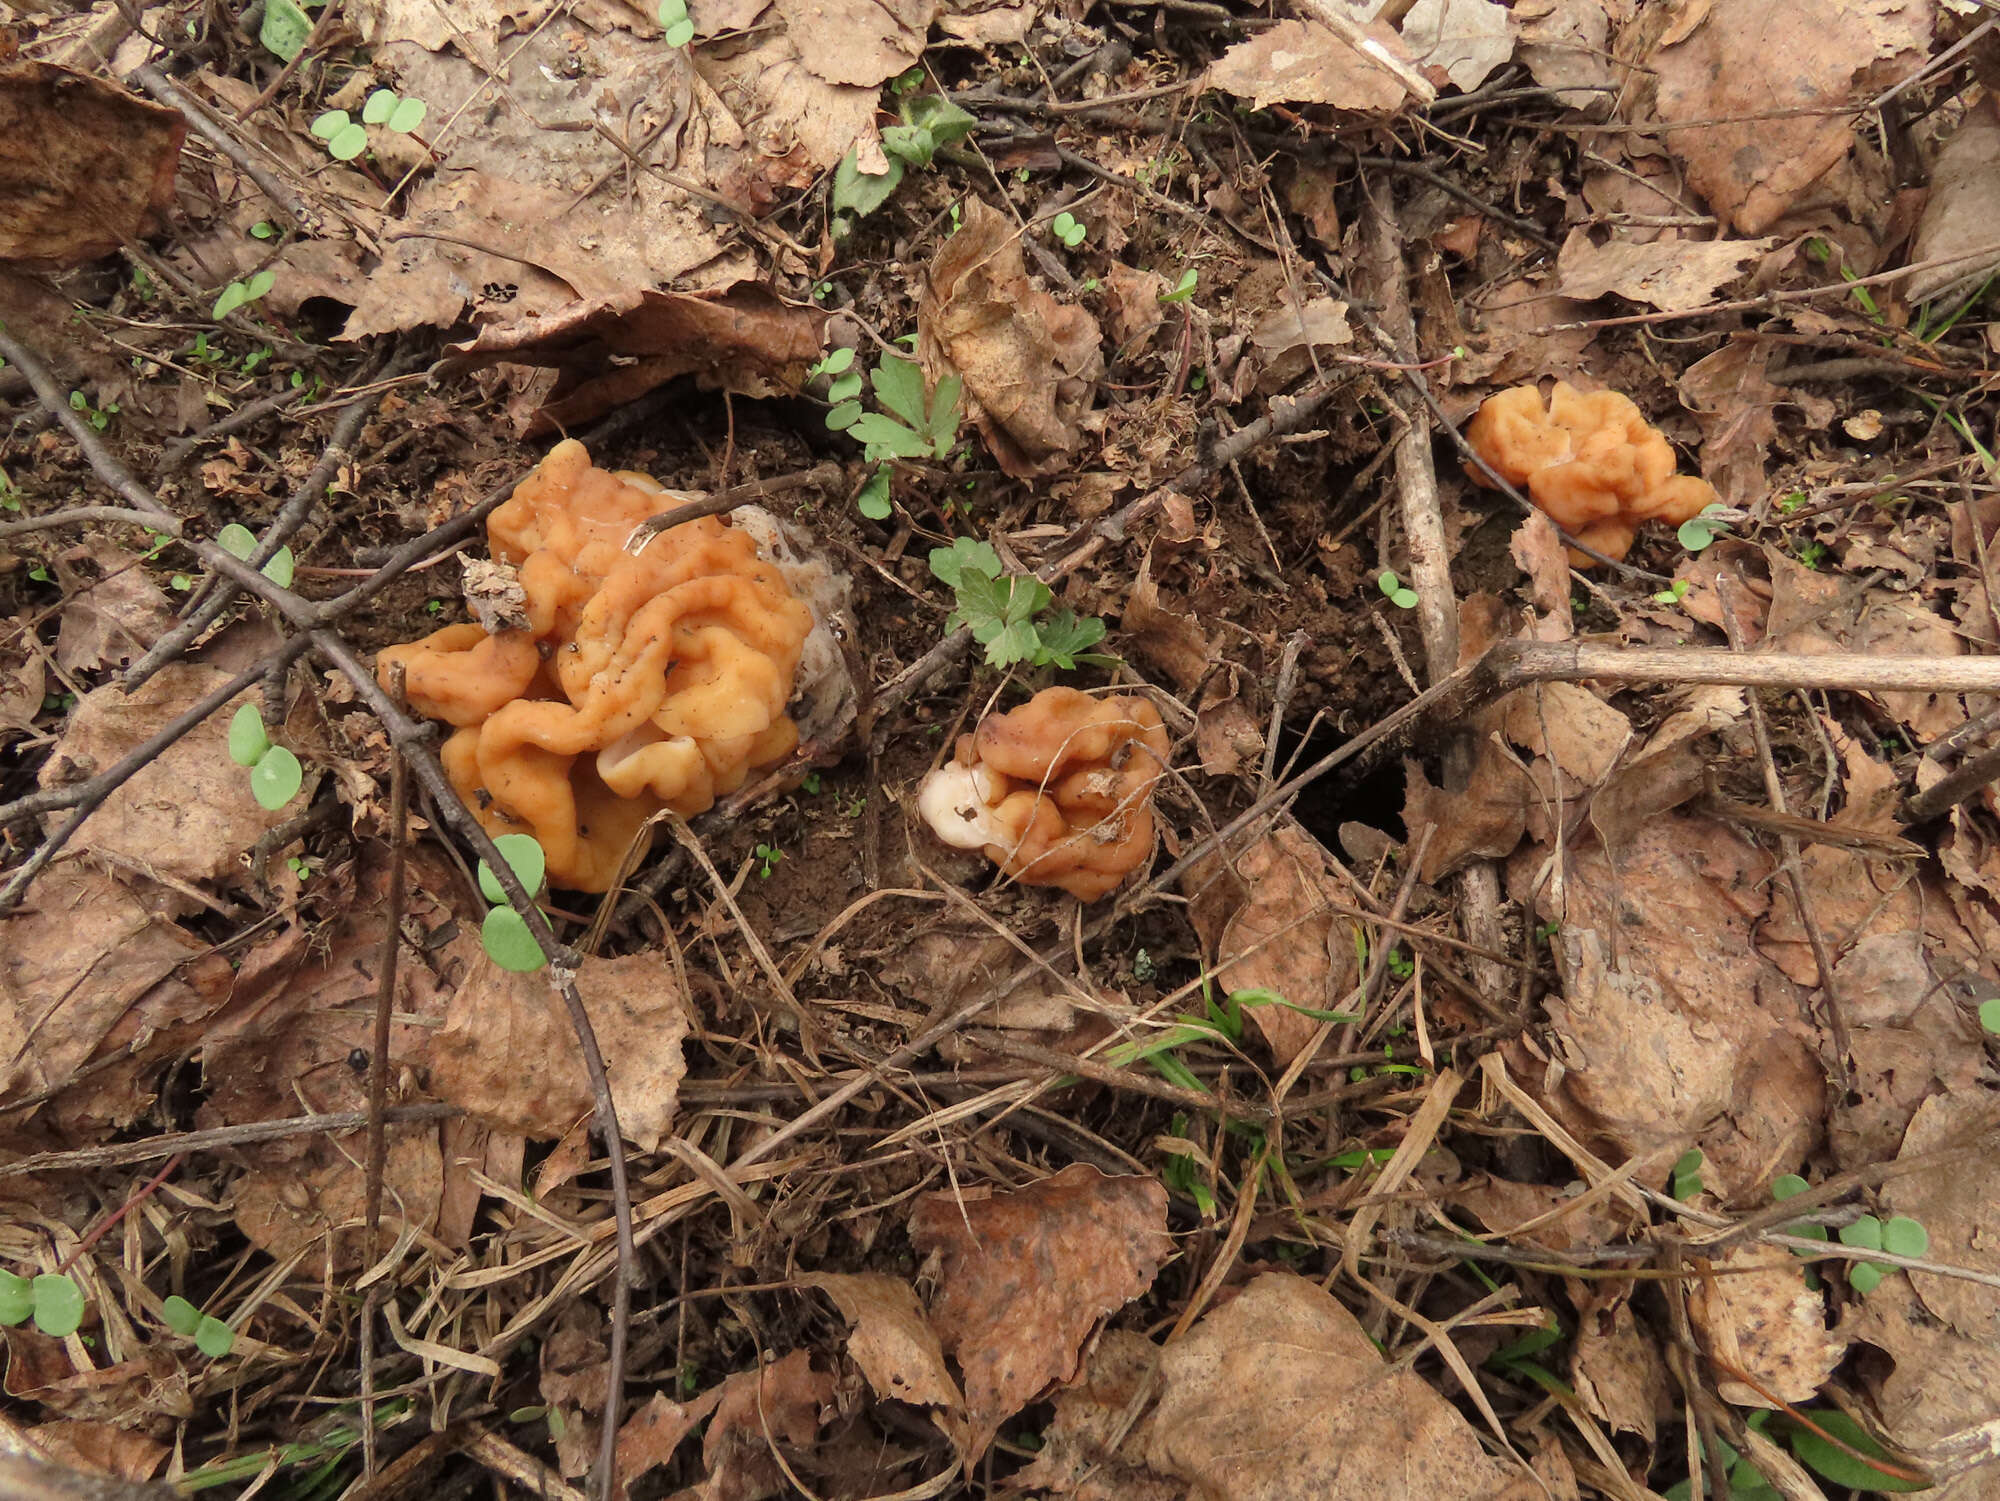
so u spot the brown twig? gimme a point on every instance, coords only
(125, 1153)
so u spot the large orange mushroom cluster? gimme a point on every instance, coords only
(638, 681)
(1057, 792)
(1591, 462)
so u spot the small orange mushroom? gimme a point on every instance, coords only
(640, 682)
(1592, 463)
(1057, 792)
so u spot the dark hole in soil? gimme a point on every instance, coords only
(1340, 796)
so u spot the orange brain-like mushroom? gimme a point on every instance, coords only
(639, 683)
(1592, 463)
(1057, 792)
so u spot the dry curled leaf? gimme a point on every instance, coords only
(1303, 62)
(892, 1341)
(1672, 275)
(1028, 1274)
(1756, 1316)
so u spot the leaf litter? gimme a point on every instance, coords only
(1092, 1235)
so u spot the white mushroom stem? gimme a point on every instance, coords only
(958, 804)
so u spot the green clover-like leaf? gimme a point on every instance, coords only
(407, 116)
(861, 193)
(247, 738)
(280, 567)
(949, 564)
(275, 779)
(523, 854)
(237, 540)
(284, 30)
(230, 299)
(378, 107)
(1183, 289)
(17, 1299)
(1903, 1236)
(834, 362)
(182, 1316)
(1989, 1015)
(59, 1305)
(213, 1337)
(873, 501)
(1865, 1232)
(329, 125)
(348, 142)
(508, 942)
(845, 387)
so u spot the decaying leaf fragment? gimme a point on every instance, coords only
(1028, 1274)
(1303, 62)
(1757, 1316)
(893, 1342)
(84, 165)
(1030, 363)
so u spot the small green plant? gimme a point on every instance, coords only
(674, 17)
(1003, 609)
(1182, 1172)
(1900, 1236)
(239, 293)
(1143, 967)
(1687, 1174)
(240, 542)
(98, 417)
(1219, 1023)
(347, 138)
(263, 229)
(211, 1336)
(1673, 594)
(1184, 288)
(1989, 1016)
(1810, 552)
(275, 773)
(928, 121)
(52, 1300)
(1788, 1186)
(1068, 228)
(912, 426)
(1398, 593)
(810, 784)
(1401, 965)
(299, 866)
(286, 27)
(505, 934)
(10, 496)
(767, 857)
(1698, 531)
(1792, 502)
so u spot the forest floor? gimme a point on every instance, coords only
(1549, 1050)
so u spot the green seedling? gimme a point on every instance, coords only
(239, 293)
(1219, 1023)
(504, 934)
(911, 428)
(240, 542)
(1687, 1174)
(1183, 289)
(1005, 611)
(810, 784)
(1819, 1452)
(275, 773)
(1900, 1236)
(1068, 228)
(928, 122)
(1927, 333)
(1810, 552)
(1788, 1186)
(98, 417)
(52, 1300)
(1673, 594)
(1182, 1171)
(210, 1335)
(347, 138)
(1989, 1016)
(767, 857)
(1698, 531)
(263, 229)
(1401, 965)
(674, 17)
(10, 495)
(1399, 594)
(285, 29)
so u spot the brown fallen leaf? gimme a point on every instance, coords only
(1164, 636)
(1775, 73)
(1461, 41)
(859, 41)
(112, 611)
(650, 1436)
(1303, 62)
(88, 970)
(85, 165)
(613, 350)
(573, 1367)
(1485, 820)
(1270, 928)
(1961, 219)
(508, 1054)
(1671, 1025)
(1280, 1394)
(1943, 1384)
(1757, 1316)
(1619, 1374)
(789, 1400)
(1736, 405)
(1671, 275)
(1566, 47)
(1030, 363)
(1027, 1275)
(892, 1341)
(187, 814)
(1954, 1202)
(99, 1448)
(1092, 1419)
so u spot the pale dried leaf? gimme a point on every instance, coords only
(112, 616)
(1954, 1202)
(1960, 224)
(1759, 1317)
(1280, 1395)
(1566, 47)
(187, 813)
(1673, 275)
(508, 1054)
(1303, 62)
(892, 1341)
(1464, 39)
(864, 42)
(1028, 1274)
